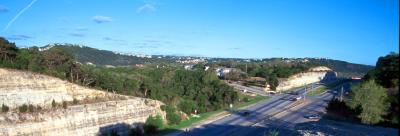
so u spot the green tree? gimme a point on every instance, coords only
(173, 118)
(187, 106)
(372, 99)
(4, 108)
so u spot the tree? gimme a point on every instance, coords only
(4, 108)
(187, 106)
(173, 118)
(372, 99)
(8, 50)
(153, 124)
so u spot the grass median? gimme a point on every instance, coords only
(324, 88)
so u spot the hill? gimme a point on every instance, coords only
(85, 54)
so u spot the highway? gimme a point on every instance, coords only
(280, 113)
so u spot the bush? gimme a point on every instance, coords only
(187, 106)
(173, 118)
(4, 108)
(75, 101)
(31, 108)
(153, 124)
(23, 108)
(64, 105)
(246, 99)
(54, 104)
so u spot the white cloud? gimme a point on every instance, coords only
(146, 8)
(3, 8)
(101, 19)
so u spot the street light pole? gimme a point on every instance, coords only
(341, 94)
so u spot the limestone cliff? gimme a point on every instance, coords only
(313, 75)
(104, 111)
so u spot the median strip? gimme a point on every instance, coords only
(324, 88)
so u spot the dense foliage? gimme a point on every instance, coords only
(372, 99)
(375, 100)
(386, 74)
(85, 54)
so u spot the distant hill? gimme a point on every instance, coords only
(86, 54)
(344, 69)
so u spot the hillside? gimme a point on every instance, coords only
(85, 54)
(344, 69)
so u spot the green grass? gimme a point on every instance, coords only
(203, 116)
(324, 88)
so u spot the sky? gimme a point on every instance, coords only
(357, 31)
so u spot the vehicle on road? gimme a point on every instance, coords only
(296, 98)
(312, 116)
(244, 112)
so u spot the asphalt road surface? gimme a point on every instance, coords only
(281, 111)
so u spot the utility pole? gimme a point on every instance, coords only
(305, 91)
(341, 94)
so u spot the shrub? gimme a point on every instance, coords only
(64, 105)
(31, 108)
(173, 118)
(75, 101)
(23, 108)
(153, 124)
(4, 108)
(38, 108)
(246, 99)
(53, 104)
(187, 106)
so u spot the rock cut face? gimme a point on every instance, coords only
(315, 74)
(82, 119)
(21, 87)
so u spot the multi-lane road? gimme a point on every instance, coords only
(280, 113)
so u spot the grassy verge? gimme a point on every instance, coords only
(326, 87)
(206, 115)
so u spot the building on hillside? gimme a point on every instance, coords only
(221, 71)
(188, 67)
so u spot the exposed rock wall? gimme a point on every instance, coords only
(89, 119)
(313, 75)
(20, 87)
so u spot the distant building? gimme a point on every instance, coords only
(90, 63)
(206, 68)
(188, 67)
(221, 71)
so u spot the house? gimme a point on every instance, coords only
(188, 67)
(221, 71)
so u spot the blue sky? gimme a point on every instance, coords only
(352, 30)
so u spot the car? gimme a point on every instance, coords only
(244, 112)
(296, 98)
(312, 116)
